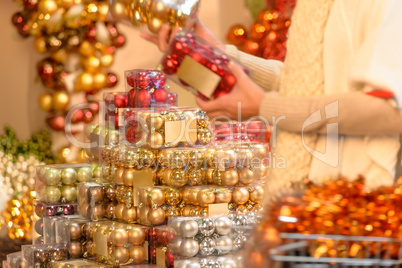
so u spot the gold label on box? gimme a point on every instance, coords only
(142, 178)
(100, 242)
(160, 257)
(198, 76)
(181, 131)
(218, 209)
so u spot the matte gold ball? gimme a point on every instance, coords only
(46, 102)
(230, 177)
(156, 216)
(157, 140)
(130, 214)
(119, 255)
(137, 254)
(241, 195)
(157, 197)
(206, 197)
(129, 176)
(246, 176)
(136, 235)
(257, 194)
(118, 237)
(75, 249)
(118, 211)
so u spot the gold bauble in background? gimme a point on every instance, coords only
(60, 100)
(46, 102)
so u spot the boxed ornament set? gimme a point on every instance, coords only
(154, 167)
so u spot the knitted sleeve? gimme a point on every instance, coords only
(349, 110)
(266, 73)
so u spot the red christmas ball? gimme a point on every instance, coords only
(132, 135)
(142, 80)
(23, 30)
(119, 41)
(77, 117)
(31, 4)
(144, 98)
(229, 81)
(130, 80)
(17, 19)
(132, 103)
(160, 96)
(111, 80)
(46, 68)
(88, 116)
(251, 47)
(94, 107)
(159, 80)
(120, 101)
(90, 34)
(56, 122)
(170, 65)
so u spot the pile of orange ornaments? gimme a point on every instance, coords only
(343, 207)
(267, 36)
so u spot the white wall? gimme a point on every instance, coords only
(19, 87)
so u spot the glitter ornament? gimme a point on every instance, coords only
(206, 227)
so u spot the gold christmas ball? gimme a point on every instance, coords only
(106, 61)
(260, 171)
(118, 175)
(136, 235)
(75, 249)
(60, 100)
(245, 157)
(193, 197)
(186, 210)
(165, 176)
(103, 10)
(129, 176)
(118, 211)
(118, 237)
(60, 55)
(84, 82)
(87, 49)
(196, 176)
(258, 208)
(130, 214)
(173, 197)
(246, 176)
(223, 197)
(177, 178)
(110, 193)
(206, 197)
(97, 211)
(69, 193)
(119, 255)
(143, 197)
(137, 254)
(173, 212)
(185, 193)
(120, 192)
(109, 211)
(155, 24)
(204, 136)
(96, 194)
(68, 3)
(156, 216)
(159, 9)
(155, 121)
(226, 158)
(196, 158)
(119, 10)
(40, 44)
(75, 230)
(143, 215)
(157, 197)
(156, 140)
(257, 194)
(242, 210)
(47, 6)
(91, 64)
(260, 151)
(209, 175)
(46, 102)
(241, 195)
(230, 177)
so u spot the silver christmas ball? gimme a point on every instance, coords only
(175, 225)
(206, 227)
(182, 263)
(251, 218)
(207, 246)
(189, 247)
(224, 244)
(239, 222)
(68, 176)
(232, 215)
(199, 237)
(193, 265)
(229, 264)
(189, 228)
(223, 225)
(52, 176)
(175, 245)
(211, 264)
(239, 241)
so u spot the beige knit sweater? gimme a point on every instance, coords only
(296, 90)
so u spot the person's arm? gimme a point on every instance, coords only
(355, 112)
(266, 73)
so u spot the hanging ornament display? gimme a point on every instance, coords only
(266, 37)
(17, 169)
(79, 43)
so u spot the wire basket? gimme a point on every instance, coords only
(324, 251)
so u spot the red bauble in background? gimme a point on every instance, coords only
(251, 47)
(160, 96)
(237, 34)
(111, 80)
(56, 122)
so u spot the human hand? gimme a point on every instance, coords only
(164, 37)
(245, 95)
